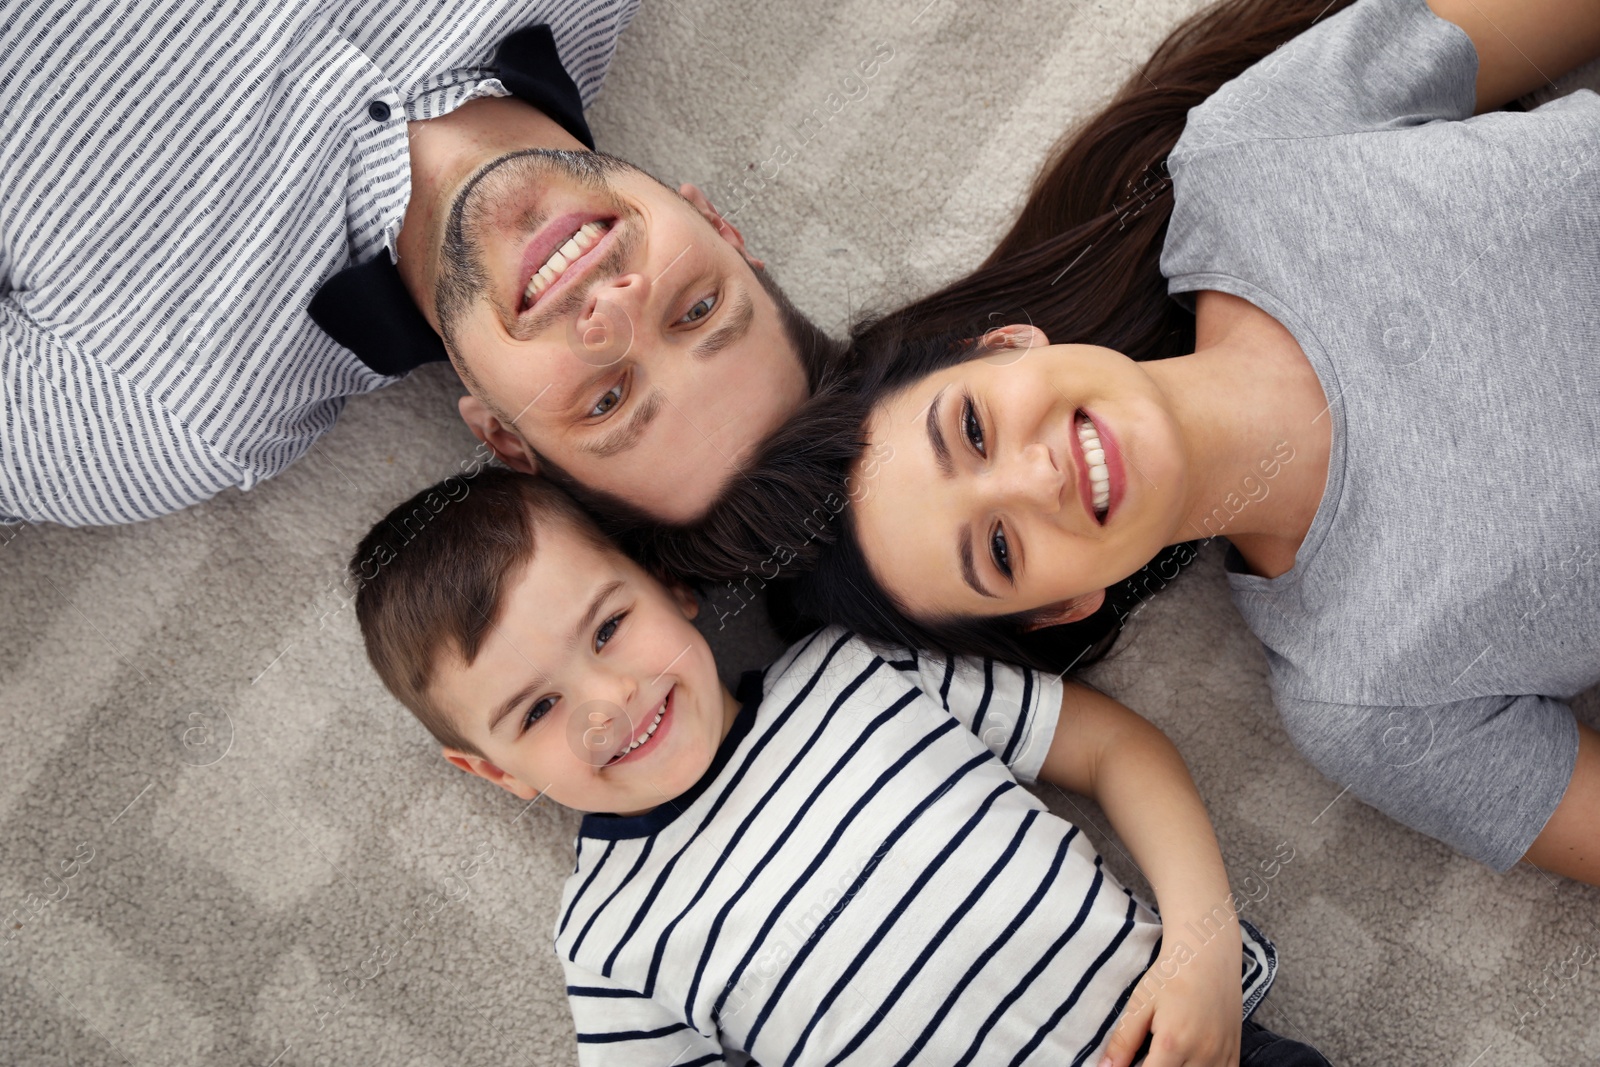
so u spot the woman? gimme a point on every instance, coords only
(1386, 405)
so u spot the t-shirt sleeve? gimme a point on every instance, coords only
(1013, 710)
(1482, 775)
(1376, 65)
(618, 1025)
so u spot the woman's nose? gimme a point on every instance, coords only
(1033, 477)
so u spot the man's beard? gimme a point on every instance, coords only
(462, 277)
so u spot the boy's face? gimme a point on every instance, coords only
(592, 687)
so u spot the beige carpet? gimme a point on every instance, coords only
(224, 844)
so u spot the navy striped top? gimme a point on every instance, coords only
(176, 180)
(858, 878)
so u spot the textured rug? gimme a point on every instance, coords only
(224, 844)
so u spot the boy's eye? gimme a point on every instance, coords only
(970, 426)
(699, 310)
(608, 629)
(611, 399)
(540, 709)
(1000, 551)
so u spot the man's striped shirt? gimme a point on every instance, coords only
(858, 878)
(176, 180)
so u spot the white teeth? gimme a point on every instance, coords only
(1095, 456)
(587, 237)
(648, 733)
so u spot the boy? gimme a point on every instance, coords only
(833, 866)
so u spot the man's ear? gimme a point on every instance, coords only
(1016, 335)
(723, 227)
(504, 442)
(488, 772)
(1074, 610)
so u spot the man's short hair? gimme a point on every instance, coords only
(431, 577)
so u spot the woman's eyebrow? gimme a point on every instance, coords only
(968, 570)
(941, 451)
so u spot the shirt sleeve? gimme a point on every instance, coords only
(80, 445)
(1482, 775)
(618, 1025)
(1376, 65)
(1013, 710)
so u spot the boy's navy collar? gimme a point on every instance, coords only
(621, 827)
(366, 307)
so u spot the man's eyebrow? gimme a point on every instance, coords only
(539, 681)
(941, 451)
(968, 571)
(731, 331)
(627, 435)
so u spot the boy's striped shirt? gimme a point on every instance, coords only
(858, 878)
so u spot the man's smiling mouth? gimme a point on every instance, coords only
(562, 244)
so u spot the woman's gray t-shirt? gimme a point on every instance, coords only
(1441, 273)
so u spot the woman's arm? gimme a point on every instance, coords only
(1523, 44)
(1191, 998)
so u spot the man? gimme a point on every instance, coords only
(184, 186)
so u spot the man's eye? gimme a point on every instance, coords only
(608, 629)
(700, 310)
(612, 398)
(540, 709)
(970, 427)
(1000, 551)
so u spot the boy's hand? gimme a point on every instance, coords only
(1192, 1005)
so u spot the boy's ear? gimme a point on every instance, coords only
(683, 596)
(489, 772)
(502, 440)
(726, 229)
(1074, 610)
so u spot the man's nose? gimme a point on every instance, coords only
(1031, 477)
(613, 319)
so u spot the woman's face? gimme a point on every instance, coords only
(996, 500)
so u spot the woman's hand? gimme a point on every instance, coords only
(1191, 1004)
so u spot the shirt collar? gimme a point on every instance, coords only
(366, 307)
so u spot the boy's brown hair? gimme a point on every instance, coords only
(430, 577)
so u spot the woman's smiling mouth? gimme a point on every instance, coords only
(1098, 484)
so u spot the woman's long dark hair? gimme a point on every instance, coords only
(1082, 263)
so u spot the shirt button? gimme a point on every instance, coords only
(378, 111)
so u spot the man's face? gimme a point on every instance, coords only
(611, 326)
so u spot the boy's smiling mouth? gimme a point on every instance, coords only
(643, 737)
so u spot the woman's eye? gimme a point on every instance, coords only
(700, 310)
(540, 709)
(608, 629)
(612, 398)
(1000, 551)
(970, 427)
